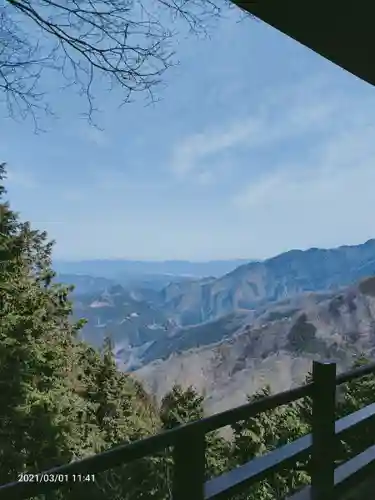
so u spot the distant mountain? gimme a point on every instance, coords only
(275, 345)
(256, 283)
(130, 323)
(145, 287)
(146, 283)
(84, 284)
(208, 330)
(118, 268)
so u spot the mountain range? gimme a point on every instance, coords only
(228, 335)
(120, 268)
(257, 283)
(273, 346)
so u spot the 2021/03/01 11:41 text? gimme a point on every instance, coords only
(55, 478)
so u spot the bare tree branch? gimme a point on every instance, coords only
(124, 42)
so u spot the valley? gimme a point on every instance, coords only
(261, 323)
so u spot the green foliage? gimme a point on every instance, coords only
(263, 433)
(180, 406)
(356, 395)
(273, 428)
(60, 400)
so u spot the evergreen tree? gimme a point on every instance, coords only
(122, 412)
(181, 406)
(60, 400)
(356, 395)
(38, 404)
(269, 430)
(263, 433)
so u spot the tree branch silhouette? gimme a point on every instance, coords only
(125, 42)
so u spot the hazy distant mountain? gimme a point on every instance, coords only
(274, 346)
(131, 324)
(117, 268)
(145, 286)
(263, 319)
(84, 284)
(149, 283)
(255, 283)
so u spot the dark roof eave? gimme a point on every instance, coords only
(342, 32)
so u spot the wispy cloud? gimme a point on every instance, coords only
(321, 200)
(193, 152)
(289, 115)
(341, 160)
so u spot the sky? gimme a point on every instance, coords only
(256, 146)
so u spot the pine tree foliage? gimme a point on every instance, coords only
(264, 433)
(357, 394)
(181, 406)
(38, 404)
(60, 400)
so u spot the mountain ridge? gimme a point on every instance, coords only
(115, 268)
(162, 327)
(281, 276)
(276, 352)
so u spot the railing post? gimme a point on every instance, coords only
(189, 466)
(323, 430)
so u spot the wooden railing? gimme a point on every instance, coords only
(327, 481)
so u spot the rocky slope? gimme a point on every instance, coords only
(276, 347)
(257, 283)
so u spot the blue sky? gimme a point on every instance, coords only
(257, 146)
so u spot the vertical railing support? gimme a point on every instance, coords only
(189, 466)
(323, 430)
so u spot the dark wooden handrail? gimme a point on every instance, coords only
(189, 478)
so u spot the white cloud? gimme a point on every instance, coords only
(191, 153)
(322, 201)
(286, 115)
(341, 162)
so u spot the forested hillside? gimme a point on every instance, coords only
(61, 400)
